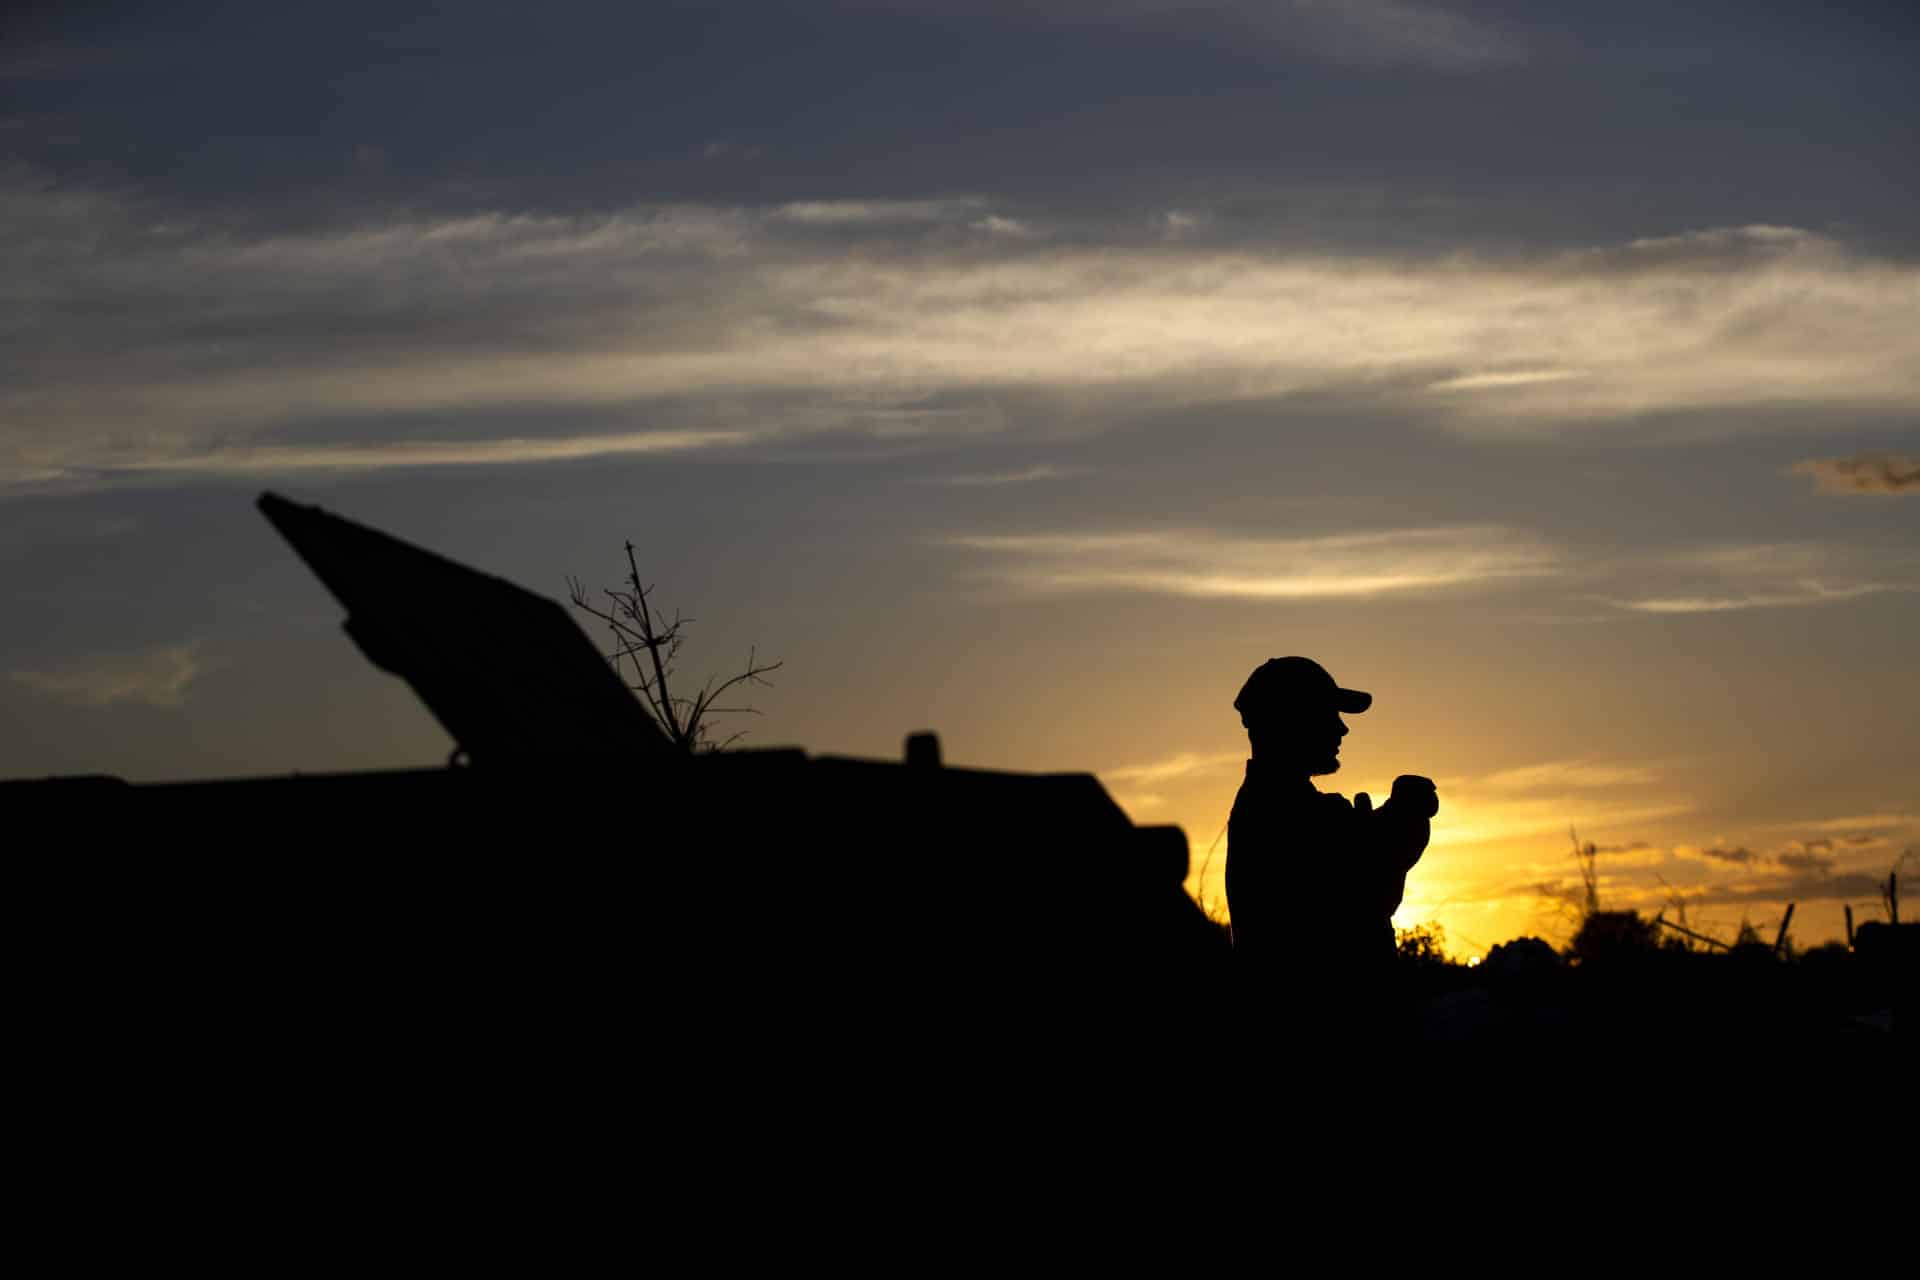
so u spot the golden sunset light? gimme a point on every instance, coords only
(1031, 377)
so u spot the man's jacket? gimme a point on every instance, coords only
(1313, 883)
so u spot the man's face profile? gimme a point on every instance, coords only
(1306, 741)
(1318, 742)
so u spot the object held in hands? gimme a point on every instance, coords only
(1415, 795)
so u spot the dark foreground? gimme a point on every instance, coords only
(763, 918)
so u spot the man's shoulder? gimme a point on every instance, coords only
(1297, 809)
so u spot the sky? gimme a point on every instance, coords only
(1550, 371)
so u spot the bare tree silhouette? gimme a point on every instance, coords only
(1587, 855)
(646, 642)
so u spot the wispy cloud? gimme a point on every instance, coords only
(852, 316)
(1857, 823)
(1737, 855)
(1519, 378)
(876, 213)
(1208, 564)
(157, 678)
(1527, 802)
(1470, 817)
(256, 459)
(1805, 886)
(1805, 594)
(1805, 862)
(1143, 786)
(1768, 576)
(1881, 474)
(995, 225)
(1185, 764)
(1564, 774)
(995, 479)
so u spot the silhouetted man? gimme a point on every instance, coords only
(1313, 881)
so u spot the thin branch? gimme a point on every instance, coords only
(653, 646)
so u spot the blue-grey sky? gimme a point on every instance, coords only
(1551, 371)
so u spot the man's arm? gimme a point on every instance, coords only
(1403, 825)
(1399, 831)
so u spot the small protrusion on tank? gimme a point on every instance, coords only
(923, 750)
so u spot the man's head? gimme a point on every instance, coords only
(1291, 708)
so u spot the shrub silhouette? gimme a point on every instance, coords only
(644, 640)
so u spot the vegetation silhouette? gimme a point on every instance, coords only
(1626, 983)
(646, 642)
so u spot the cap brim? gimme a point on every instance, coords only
(1351, 700)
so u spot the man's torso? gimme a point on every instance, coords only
(1304, 887)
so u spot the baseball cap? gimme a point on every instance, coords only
(1286, 686)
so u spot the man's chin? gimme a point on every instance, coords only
(1327, 766)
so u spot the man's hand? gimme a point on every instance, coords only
(1415, 796)
(1402, 828)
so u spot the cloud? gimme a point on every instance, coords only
(260, 459)
(1177, 224)
(1531, 806)
(1567, 774)
(1185, 764)
(995, 225)
(1805, 862)
(1882, 474)
(1482, 381)
(1560, 892)
(1739, 855)
(1215, 564)
(1813, 593)
(1857, 823)
(855, 316)
(1816, 886)
(995, 479)
(1469, 816)
(1768, 576)
(1617, 858)
(1140, 786)
(875, 213)
(157, 678)
(1210, 564)
(1731, 246)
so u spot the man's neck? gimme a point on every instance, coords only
(1275, 773)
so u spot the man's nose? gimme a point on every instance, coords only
(1343, 725)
